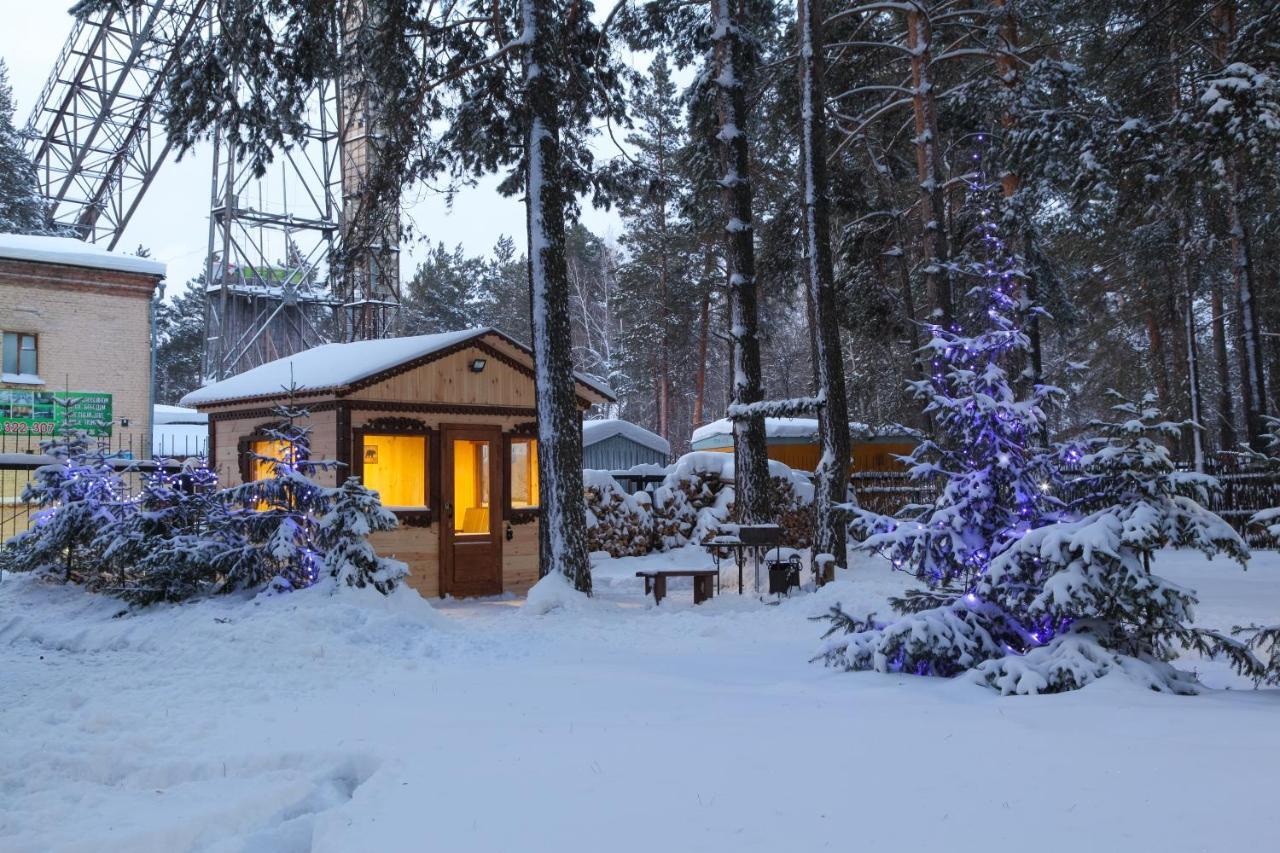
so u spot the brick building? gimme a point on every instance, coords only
(76, 326)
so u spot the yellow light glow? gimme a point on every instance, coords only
(264, 469)
(524, 473)
(395, 468)
(470, 486)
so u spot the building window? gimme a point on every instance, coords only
(470, 486)
(263, 456)
(20, 354)
(524, 473)
(395, 466)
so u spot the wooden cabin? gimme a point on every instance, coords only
(443, 427)
(794, 442)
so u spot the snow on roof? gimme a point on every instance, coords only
(793, 429)
(599, 430)
(338, 365)
(178, 415)
(75, 253)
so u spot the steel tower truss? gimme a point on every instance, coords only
(269, 282)
(96, 133)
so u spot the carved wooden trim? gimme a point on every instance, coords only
(393, 425)
(442, 408)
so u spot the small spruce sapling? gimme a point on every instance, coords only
(342, 534)
(278, 513)
(77, 494)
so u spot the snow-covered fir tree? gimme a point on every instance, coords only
(76, 495)
(169, 544)
(279, 513)
(994, 483)
(1082, 589)
(21, 207)
(343, 535)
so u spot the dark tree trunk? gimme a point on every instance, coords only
(562, 542)
(933, 208)
(1226, 408)
(832, 474)
(751, 463)
(1248, 326)
(1010, 184)
(704, 333)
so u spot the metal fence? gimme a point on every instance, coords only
(1245, 490)
(20, 456)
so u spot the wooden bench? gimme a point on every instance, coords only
(656, 580)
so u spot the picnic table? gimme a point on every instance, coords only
(655, 580)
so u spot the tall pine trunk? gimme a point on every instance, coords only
(704, 333)
(1226, 408)
(1249, 331)
(832, 474)
(933, 208)
(562, 542)
(751, 463)
(1010, 183)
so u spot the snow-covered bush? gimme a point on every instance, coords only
(618, 523)
(76, 495)
(343, 536)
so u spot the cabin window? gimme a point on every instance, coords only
(263, 456)
(524, 473)
(470, 486)
(395, 466)
(20, 354)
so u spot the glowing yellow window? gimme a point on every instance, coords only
(470, 486)
(395, 466)
(524, 473)
(264, 468)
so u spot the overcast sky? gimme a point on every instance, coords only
(173, 219)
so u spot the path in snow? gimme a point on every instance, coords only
(351, 723)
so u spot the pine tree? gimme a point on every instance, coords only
(343, 536)
(21, 208)
(180, 343)
(832, 474)
(655, 278)
(442, 294)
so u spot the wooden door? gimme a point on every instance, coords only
(471, 522)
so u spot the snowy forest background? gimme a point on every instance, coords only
(1137, 146)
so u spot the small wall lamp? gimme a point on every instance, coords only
(477, 364)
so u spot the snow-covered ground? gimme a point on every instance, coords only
(357, 723)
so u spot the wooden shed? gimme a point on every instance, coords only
(443, 426)
(611, 444)
(794, 443)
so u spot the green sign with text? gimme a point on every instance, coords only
(54, 412)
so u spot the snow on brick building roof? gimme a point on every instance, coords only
(74, 253)
(599, 430)
(333, 366)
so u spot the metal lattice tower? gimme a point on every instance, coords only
(297, 257)
(269, 282)
(96, 134)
